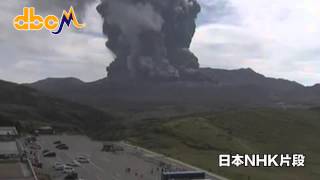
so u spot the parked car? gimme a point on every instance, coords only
(110, 147)
(74, 163)
(72, 176)
(58, 166)
(57, 142)
(62, 146)
(49, 154)
(68, 169)
(59, 145)
(82, 159)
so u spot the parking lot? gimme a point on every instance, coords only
(122, 162)
(124, 165)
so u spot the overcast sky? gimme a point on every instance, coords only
(277, 38)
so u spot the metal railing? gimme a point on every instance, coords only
(32, 170)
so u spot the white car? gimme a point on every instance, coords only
(82, 159)
(68, 169)
(58, 166)
(74, 163)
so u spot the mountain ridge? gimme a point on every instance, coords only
(221, 89)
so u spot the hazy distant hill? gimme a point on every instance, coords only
(28, 108)
(58, 84)
(224, 89)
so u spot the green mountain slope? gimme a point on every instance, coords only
(27, 108)
(199, 139)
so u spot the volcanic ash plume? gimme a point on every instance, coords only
(150, 38)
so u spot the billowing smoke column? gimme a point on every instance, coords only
(150, 38)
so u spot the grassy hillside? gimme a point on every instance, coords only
(200, 138)
(27, 108)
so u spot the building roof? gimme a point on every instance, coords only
(4, 131)
(9, 147)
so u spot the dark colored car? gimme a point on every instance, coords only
(73, 176)
(62, 146)
(59, 145)
(57, 142)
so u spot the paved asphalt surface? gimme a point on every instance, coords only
(144, 165)
(102, 166)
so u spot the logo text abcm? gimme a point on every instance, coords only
(29, 21)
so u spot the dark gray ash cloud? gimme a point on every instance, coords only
(150, 38)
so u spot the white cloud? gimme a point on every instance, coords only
(276, 38)
(225, 46)
(30, 56)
